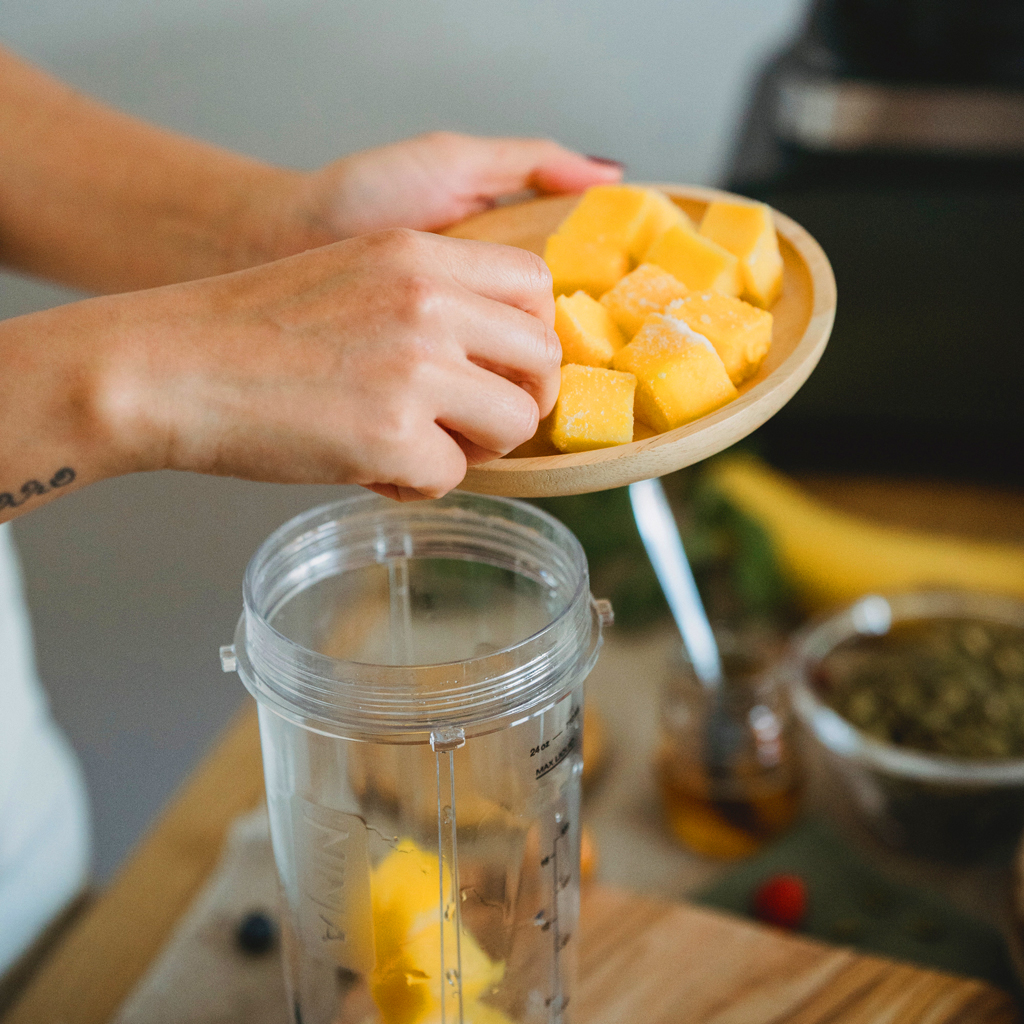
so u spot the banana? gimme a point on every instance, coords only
(833, 558)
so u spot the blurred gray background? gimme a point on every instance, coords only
(134, 583)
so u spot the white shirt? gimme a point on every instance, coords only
(44, 827)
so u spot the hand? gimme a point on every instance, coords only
(392, 360)
(430, 182)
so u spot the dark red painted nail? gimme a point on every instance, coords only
(606, 161)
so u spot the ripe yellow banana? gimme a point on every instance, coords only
(832, 558)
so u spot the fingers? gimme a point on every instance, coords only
(429, 467)
(503, 273)
(491, 413)
(504, 340)
(506, 165)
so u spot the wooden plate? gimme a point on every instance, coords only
(803, 320)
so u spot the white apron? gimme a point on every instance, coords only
(44, 826)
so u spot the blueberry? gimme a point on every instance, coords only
(256, 933)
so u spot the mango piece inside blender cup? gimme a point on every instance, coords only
(643, 291)
(697, 262)
(680, 376)
(406, 984)
(594, 409)
(588, 334)
(746, 229)
(740, 332)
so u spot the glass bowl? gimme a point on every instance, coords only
(948, 808)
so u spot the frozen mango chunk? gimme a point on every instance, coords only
(746, 229)
(643, 291)
(641, 431)
(611, 215)
(680, 376)
(696, 261)
(740, 332)
(660, 214)
(403, 896)
(588, 334)
(594, 409)
(407, 984)
(578, 265)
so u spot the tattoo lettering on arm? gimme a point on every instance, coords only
(35, 488)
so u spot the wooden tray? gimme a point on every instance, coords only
(803, 320)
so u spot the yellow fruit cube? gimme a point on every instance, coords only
(403, 897)
(577, 265)
(740, 332)
(748, 232)
(641, 431)
(407, 984)
(680, 376)
(588, 334)
(594, 409)
(660, 214)
(643, 291)
(610, 215)
(696, 261)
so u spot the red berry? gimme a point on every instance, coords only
(781, 900)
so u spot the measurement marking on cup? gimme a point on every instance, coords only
(554, 762)
(560, 936)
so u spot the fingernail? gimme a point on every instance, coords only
(606, 161)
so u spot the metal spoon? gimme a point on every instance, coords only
(723, 736)
(664, 548)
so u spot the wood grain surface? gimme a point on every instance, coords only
(803, 321)
(642, 960)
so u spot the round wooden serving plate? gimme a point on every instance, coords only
(803, 319)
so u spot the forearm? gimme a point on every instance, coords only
(96, 199)
(51, 439)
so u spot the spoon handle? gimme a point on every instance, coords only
(664, 547)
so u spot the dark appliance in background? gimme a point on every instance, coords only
(893, 130)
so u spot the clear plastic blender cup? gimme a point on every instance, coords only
(418, 670)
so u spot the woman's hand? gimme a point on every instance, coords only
(432, 181)
(392, 360)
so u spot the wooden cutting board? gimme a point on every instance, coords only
(662, 962)
(641, 960)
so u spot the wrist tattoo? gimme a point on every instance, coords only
(34, 488)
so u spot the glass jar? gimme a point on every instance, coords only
(727, 764)
(418, 670)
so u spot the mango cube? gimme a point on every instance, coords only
(680, 376)
(740, 332)
(611, 215)
(660, 214)
(746, 229)
(589, 266)
(407, 984)
(641, 431)
(588, 334)
(643, 291)
(696, 261)
(594, 409)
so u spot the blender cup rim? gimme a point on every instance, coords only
(523, 678)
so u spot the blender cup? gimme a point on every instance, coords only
(418, 671)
